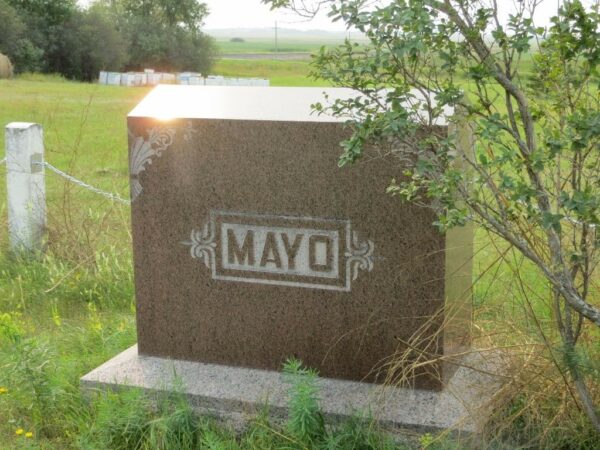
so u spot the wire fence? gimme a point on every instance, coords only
(84, 185)
(77, 182)
(119, 199)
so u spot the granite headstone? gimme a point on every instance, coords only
(251, 245)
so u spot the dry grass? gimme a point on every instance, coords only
(6, 68)
(533, 402)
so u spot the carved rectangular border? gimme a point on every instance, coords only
(352, 256)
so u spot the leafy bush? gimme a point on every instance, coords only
(90, 42)
(14, 42)
(525, 148)
(58, 36)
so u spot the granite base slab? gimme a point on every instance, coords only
(234, 394)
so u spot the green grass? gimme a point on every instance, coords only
(64, 314)
(280, 73)
(67, 313)
(85, 124)
(82, 121)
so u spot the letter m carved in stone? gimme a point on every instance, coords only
(243, 255)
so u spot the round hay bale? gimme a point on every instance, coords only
(6, 68)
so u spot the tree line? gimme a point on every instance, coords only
(59, 36)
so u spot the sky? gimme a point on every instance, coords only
(253, 14)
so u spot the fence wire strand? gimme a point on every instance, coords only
(84, 185)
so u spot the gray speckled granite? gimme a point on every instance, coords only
(234, 393)
(251, 245)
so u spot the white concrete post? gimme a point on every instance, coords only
(25, 186)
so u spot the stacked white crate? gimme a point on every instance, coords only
(169, 78)
(113, 78)
(151, 78)
(128, 79)
(196, 80)
(154, 78)
(214, 80)
(140, 79)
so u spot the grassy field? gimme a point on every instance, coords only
(85, 124)
(257, 45)
(280, 73)
(65, 314)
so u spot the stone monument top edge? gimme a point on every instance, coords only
(279, 104)
(248, 103)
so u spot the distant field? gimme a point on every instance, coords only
(280, 73)
(268, 45)
(85, 124)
